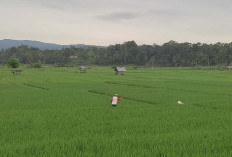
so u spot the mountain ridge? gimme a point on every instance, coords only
(8, 43)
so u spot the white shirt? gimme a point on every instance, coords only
(115, 100)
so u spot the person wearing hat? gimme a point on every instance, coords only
(114, 100)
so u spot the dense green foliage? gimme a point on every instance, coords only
(13, 63)
(61, 112)
(171, 54)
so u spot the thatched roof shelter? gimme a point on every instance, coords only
(82, 69)
(119, 70)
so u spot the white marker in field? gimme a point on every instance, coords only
(180, 102)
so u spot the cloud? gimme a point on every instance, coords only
(168, 13)
(108, 21)
(53, 4)
(118, 16)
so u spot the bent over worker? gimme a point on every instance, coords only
(115, 99)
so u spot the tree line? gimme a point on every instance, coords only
(170, 54)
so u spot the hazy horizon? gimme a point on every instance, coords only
(108, 22)
(112, 44)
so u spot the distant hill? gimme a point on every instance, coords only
(8, 43)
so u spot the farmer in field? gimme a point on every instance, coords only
(115, 99)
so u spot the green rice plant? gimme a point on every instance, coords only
(59, 112)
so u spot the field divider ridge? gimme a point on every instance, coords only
(34, 86)
(128, 98)
(144, 86)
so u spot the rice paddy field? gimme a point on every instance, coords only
(62, 112)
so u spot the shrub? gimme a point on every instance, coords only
(13, 63)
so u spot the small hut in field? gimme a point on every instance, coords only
(229, 68)
(16, 72)
(135, 67)
(119, 70)
(82, 69)
(225, 68)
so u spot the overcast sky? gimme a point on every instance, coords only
(105, 22)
